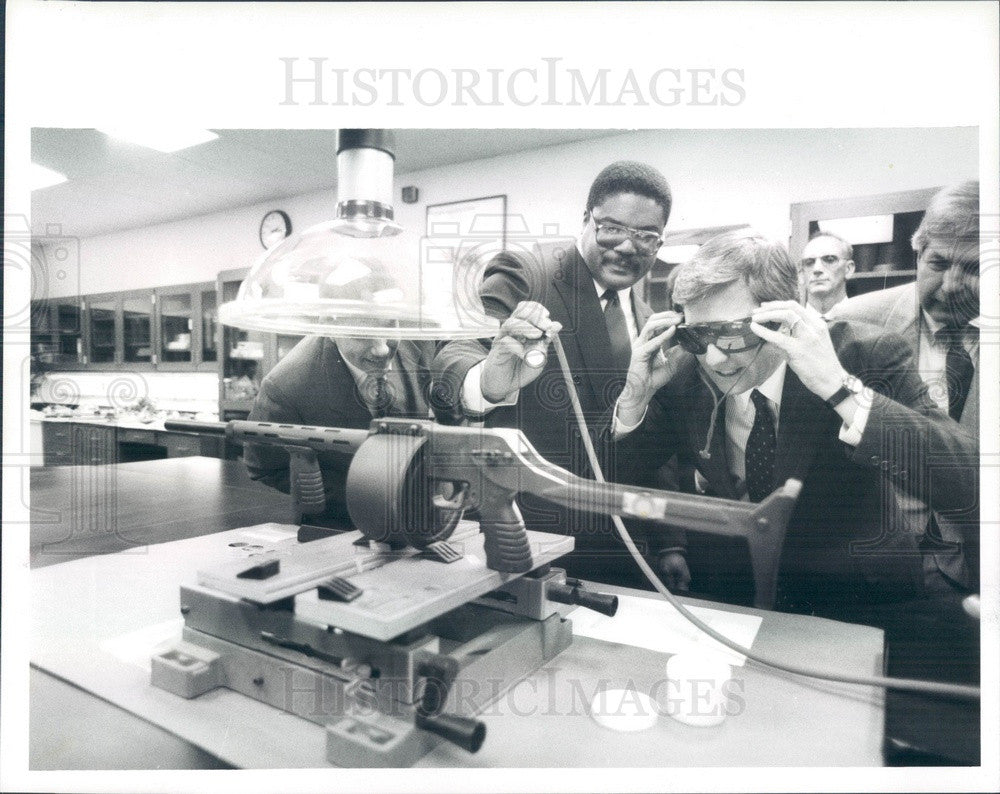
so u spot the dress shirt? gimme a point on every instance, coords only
(739, 419)
(933, 356)
(472, 394)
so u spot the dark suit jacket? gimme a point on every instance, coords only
(555, 275)
(898, 310)
(313, 386)
(846, 545)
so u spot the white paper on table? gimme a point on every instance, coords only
(138, 647)
(656, 625)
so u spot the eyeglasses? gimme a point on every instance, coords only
(733, 336)
(611, 235)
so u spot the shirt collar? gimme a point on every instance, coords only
(935, 325)
(623, 294)
(770, 388)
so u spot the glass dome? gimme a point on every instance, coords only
(356, 278)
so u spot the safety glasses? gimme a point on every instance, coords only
(732, 336)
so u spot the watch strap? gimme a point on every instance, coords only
(838, 397)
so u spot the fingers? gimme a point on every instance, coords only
(776, 338)
(658, 322)
(790, 313)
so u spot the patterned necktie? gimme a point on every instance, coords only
(378, 395)
(614, 318)
(958, 370)
(761, 445)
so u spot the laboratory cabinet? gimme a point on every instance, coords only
(69, 443)
(165, 328)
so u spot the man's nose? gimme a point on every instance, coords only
(953, 280)
(379, 348)
(626, 246)
(714, 357)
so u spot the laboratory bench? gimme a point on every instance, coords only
(110, 546)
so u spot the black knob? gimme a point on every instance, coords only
(466, 732)
(599, 602)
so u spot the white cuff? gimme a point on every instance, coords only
(851, 435)
(473, 400)
(620, 428)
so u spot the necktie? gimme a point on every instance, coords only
(378, 395)
(761, 445)
(958, 370)
(614, 318)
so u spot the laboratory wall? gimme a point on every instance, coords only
(718, 177)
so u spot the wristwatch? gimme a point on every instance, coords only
(850, 385)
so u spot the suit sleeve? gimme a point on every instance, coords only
(908, 439)
(504, 286)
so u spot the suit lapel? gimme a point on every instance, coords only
(800, 425)
(904, 317)
(586, 326)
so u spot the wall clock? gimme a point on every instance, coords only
(274, 227)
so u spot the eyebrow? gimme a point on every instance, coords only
(622, 223)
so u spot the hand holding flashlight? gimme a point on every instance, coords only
(519, 351)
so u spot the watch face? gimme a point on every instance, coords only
(275, 227)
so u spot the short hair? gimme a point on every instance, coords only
(953, 213)
(846, 249)
(762, 264)
(630, 176)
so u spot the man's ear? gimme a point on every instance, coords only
(586, 217)
(849, 268)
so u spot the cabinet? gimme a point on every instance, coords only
(242, 355)
(102, 330)
(94, 444)
(167, 328)
(57, 333)
(57, 443)
(137, 328)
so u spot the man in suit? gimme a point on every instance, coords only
(585, 287)
(761, 389)
(342, 382)
(938, 315)
(827, 263)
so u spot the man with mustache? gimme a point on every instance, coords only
(938, 315)
(586, 288)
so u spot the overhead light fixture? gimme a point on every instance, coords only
(359, 275)
(163, 139)
(44, 177)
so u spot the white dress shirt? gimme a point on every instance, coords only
(932, 357)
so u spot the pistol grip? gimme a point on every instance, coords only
(306, 481)
(506, 541)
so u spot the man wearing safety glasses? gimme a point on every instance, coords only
(758, 389)
(583, 287)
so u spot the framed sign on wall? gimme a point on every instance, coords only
(477, 218)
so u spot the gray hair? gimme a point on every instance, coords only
(846, 249)
(953, 213)
(762, 264)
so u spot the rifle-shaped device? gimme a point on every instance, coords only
(410, 481)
